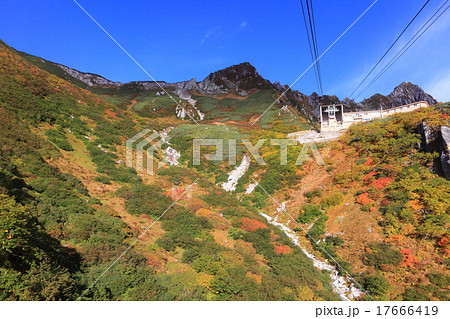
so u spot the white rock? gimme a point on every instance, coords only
(341, 285)
(250, 188)
(236, 174)
(172, 156)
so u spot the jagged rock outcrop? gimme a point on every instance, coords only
(240, 79)
(88, 78)
(375, 102)
(407, 93)
(186, 86)
(445, 153)
(429, 136)
(437, 140)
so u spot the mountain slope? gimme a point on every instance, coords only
(70, 206)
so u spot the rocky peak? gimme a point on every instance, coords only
(277, 85)
(407, 93)
(375, 102)
(239, 79)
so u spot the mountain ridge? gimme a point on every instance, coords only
(243, 79)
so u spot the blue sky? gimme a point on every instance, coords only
(179, 40)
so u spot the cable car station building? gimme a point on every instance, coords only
(333, 117)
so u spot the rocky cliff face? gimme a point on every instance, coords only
(445, 153)
(88, 78)
(240, 79)
(437, 140)
(407, 93)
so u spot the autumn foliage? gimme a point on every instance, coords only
(381, 182)
(283, 249)
(364, 199)
(368, 176)
(444, 242)
(250, 224)
(369, 162)
(203, 212)
(409, 259)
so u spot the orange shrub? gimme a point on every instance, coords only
(250, 224)
(283, 249)
(395, 238)
(110, 113)
(364, 199)
(381, 182)
(255, 277)
(203, 212)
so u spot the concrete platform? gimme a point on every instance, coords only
(314, 136)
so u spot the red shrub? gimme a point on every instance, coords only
(368, 176)
(369, 162)
(445, 241)
(409, 259)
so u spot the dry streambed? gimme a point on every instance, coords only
(341, 284)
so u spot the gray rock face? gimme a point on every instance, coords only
(239, 79)
(88, 78)
(445, 154)
(407, 93)
(278, 86)
(316, 101)
(437, 140)
(187, 85)
(429, 137)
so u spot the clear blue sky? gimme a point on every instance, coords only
(179, 40)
